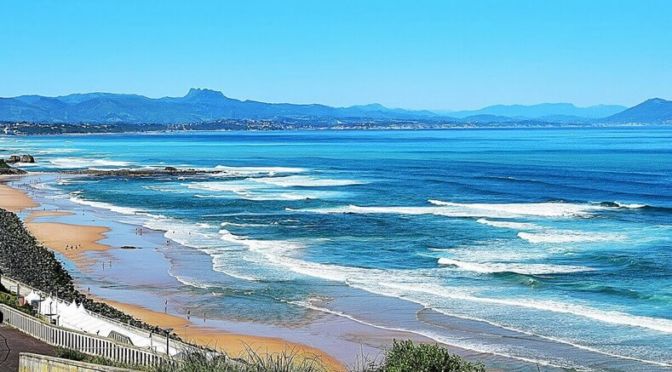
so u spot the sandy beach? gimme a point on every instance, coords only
(234, 345)
(14, 200)
(73, 241)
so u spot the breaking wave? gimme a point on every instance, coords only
(518, 268)
(72, 162)
(305, 181)
(568, 236)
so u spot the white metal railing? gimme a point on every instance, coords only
(83, 342)
(158, 339)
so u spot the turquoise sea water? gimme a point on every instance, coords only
(531, 238)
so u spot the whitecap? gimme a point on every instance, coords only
(305, 181)
(252, 171)
(244, 189)
(549, 209)
(72, 162)
(518, 268)
(108, 206)
(508, 224)
(630, 205)
(569, 236)
(470, 210)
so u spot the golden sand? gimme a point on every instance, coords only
(72, 241)
(15, 200)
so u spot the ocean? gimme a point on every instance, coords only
(544, 246)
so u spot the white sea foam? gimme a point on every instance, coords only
(569, 236)
(256, 171)
(235, 224)
(630, 206)
(108, 206)
(508, 224)
(250, 190)
(550, 209)
(268, 247)
(72, 162)
(305, 181)
(24, 165)
(407, 284)
(440, 208)
(519, 268)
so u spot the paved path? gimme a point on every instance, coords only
(12, 342)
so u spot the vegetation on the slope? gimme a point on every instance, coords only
(406, 356)
(10, 299)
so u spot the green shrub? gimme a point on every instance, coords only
(10, 300)
(405, 356)
(78, 356)
(70, 354)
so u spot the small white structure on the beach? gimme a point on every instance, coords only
(31, 297)
(76, 317)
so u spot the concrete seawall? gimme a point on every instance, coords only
(41, 363)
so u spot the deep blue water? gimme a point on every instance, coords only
(564, 234)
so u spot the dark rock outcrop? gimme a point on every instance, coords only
(6, 169)
(21, 159)
(143, 172)
(27, 159)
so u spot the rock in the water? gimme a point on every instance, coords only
(27, 159)
(6, 169)
(21, 159)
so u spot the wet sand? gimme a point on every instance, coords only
(35, 215)
(73, 241)
(14, 200)
(234, 345)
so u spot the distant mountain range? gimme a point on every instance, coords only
(204, 105)
(199, 105)
(541, 111)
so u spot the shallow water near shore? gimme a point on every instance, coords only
(548, 247)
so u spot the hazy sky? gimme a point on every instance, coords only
(414, 54)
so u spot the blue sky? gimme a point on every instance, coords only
(413, 54)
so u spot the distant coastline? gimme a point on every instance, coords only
(30, 128)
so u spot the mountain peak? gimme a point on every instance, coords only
(654, 110)
(656, 100)
(207, 94)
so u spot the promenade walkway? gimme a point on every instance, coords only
(13, 342)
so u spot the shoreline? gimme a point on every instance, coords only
(74, 241)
